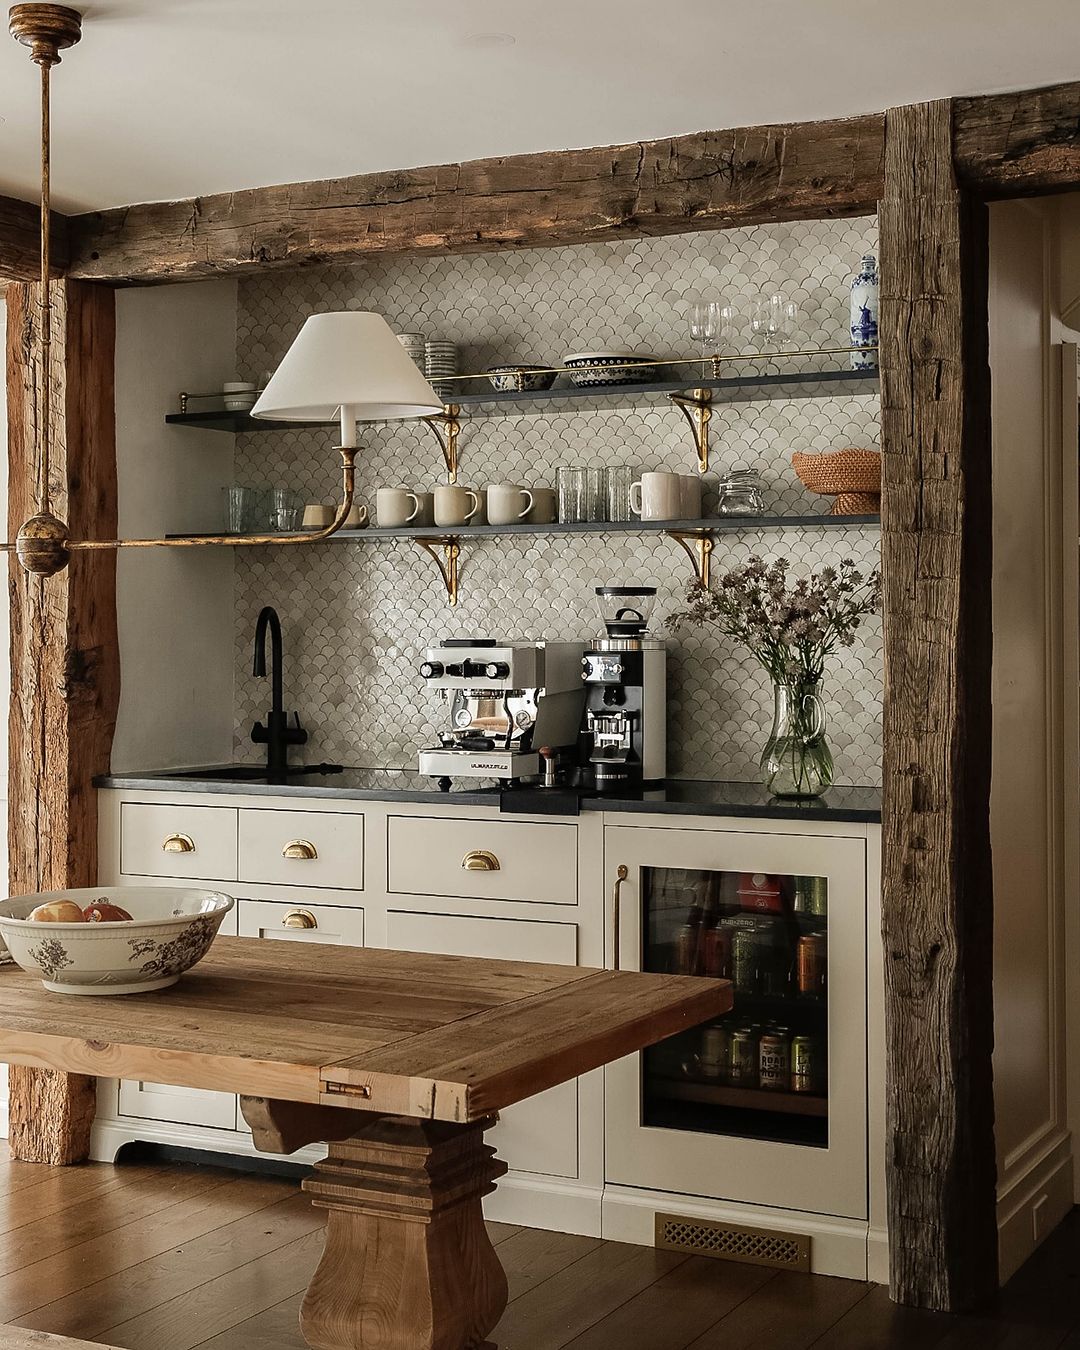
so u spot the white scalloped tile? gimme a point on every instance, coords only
(356, 616)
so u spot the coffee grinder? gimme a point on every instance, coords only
(625, 674)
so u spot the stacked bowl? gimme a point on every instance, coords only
(440, 361)
(414, 344)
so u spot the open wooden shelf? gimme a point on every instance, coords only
(747, 1099)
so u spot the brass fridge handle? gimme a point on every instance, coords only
(480, 860)
(299, 918)
(620, 876)
(178, 843)
(300, 848)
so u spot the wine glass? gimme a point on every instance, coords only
(713, 323)
(773, 319)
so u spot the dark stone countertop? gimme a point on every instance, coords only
(676, 797)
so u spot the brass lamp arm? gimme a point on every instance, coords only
(47, 551)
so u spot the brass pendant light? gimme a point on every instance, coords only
(43, 545)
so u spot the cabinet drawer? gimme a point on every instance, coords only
(301, 923)
(178, 1105)
(302, 848)
(540, 1134)
(524, 860)
(178, 841)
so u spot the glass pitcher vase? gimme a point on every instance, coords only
(796, 761)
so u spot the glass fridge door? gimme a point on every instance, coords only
(761, 1071)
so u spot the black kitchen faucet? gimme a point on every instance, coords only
(276, 735)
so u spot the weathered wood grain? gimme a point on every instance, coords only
(22, 1338)
(710, 180)
(936, 556)
(65, 668)
(359, 1028)
(20, 241)
(1018, 144)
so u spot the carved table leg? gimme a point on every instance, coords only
(408, 1264)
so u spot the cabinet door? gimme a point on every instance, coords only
(767, 1104)
(541, 1134)
(181, 1105)
(282, 922)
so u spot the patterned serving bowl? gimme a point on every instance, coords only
(592, 369)
(169, 931)
(520, 379)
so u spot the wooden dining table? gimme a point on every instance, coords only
(399, 1062)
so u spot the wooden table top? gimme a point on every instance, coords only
(443, 1037)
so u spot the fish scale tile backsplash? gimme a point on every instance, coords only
(357, 615)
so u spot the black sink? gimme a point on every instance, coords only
(253, 773)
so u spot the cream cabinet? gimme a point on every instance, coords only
(662, 1133)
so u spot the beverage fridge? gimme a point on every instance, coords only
(768, 1103)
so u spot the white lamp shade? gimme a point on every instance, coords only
(346, 361)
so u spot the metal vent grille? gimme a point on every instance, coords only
(732, 1242)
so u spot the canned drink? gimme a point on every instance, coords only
(806, 1065)
(743, 1058)
(774, 961)
(715, 1052)
(817, 895)
(716, 952)
(774, 1062)
(811, 963)
(800, 900)
(744, 960)
(686, 950)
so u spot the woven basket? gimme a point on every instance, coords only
(840, 471)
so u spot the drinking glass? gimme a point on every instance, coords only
(619, 478)
(571, 485)
(241, 509)
(596, 490)
(773, 320)
(706, 326)
(285, 509)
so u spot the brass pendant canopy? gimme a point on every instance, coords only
(46, 29)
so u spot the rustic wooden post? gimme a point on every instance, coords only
(936, 556)
(65, 671)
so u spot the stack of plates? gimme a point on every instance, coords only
(414, 344)
(440, 361)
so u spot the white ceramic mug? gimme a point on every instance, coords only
(690, 494)
(357, 517)
(455, 505)
(545, 506)
(317, 516)
(657, 496)
(507, 503)
(395, 507)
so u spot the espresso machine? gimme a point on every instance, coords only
(625, 674)
(505, 701)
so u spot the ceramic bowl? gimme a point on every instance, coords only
(592, 369)
(171, 929)
(523, 379)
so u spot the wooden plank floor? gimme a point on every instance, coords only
(174, 1256)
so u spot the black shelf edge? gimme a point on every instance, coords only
(718, 525)
(732, 389)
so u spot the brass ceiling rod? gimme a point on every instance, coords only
(43, 544)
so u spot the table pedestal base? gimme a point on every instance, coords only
(408, 1264)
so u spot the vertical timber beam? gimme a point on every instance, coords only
(65, 670)
(936, 867)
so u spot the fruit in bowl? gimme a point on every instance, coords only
(125, 940)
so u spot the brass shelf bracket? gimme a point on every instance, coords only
(446, 427)
(698, 546)
(447, 563)
(696, 407)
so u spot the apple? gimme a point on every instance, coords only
(101, 911)
(57, 911)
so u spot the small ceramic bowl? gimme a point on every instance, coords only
(520, 379)
(592, 369)
(170, 930)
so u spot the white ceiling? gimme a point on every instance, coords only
(173, 98)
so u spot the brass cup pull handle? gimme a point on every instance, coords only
(620, 876)
(300, 848)
(480, 860)
(299, 918)
(178, 843)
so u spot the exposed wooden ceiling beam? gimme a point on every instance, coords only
(1014, 145)
(705, 181)
(20, 236)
